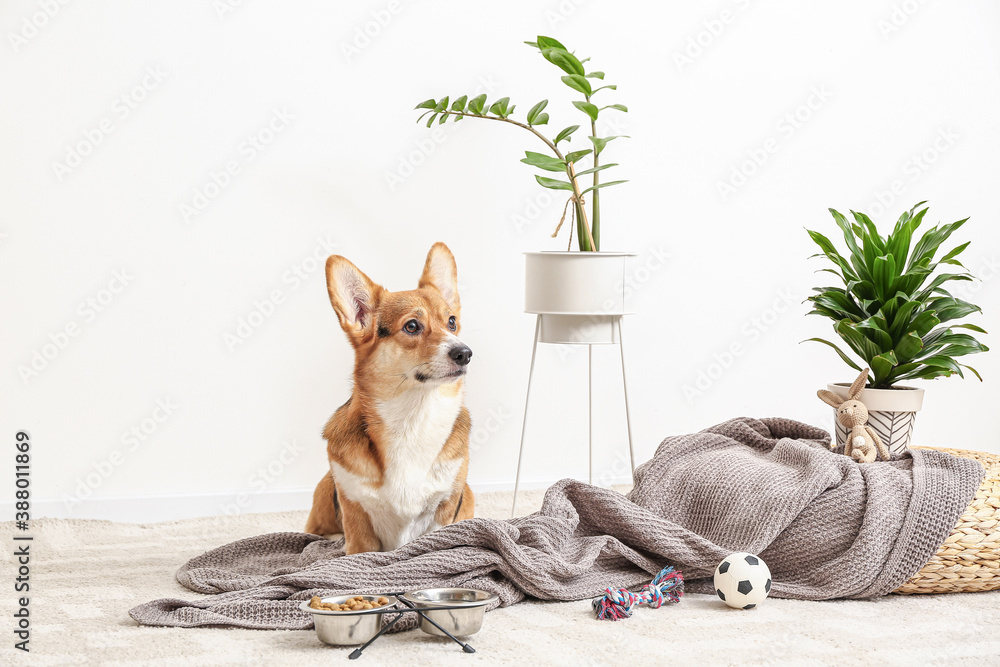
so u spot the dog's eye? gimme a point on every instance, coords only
(412, 327)
(452, 324)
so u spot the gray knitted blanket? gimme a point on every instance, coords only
(827, 527)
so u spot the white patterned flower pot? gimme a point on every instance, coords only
(579, 295)
(891, 413)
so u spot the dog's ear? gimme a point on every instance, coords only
(353, 295)
(858, 386)
(441, 273)
(830, 398)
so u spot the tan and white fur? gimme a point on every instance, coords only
(862, 440)
(399, 448)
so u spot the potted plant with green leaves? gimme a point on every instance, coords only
(893, 313)
(579, 294)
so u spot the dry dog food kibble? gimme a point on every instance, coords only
(356, 603)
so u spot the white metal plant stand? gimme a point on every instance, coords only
(543, 319)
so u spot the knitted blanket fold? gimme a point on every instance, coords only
(826, 526)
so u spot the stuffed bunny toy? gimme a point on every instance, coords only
(862, 440)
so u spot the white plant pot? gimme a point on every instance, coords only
(579, 295)
(891, 413)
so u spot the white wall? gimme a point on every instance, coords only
(889, 82)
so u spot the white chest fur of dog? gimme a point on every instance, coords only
(418, 423)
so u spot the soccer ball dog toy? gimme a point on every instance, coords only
(742, 580)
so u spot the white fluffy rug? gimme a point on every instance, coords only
(87, 574)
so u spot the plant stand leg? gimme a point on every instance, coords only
(524, 420)
(628, 418)
(590, 415)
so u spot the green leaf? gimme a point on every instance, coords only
(578, 83)
(575, 156)
(831, 253)
(587, 108)
(933, 337)
(929, 243)
(901, 320)
(900, 372)
(534, 111)
(911, 280)
(924, 322)
(602, 185)
(923, 372)
(619, 107)
(839, 302)
(898, 243)
(547, 43)
(857, 341)
(939, 280)
(883, 274)
(950, 308)
(876, 330)
(970, 327)
(553, 184)
(595, 75)
(427, 104)
(949, 258)
(476, 104)
(565, 133)
(943, 361)
(882, 366)
(950, 339)
(889, 307)
(856, 256)
(442, 104)
(974, 371)
(601, 142)
(863, 290)
(499, 108)
(611, 86)
(843, 356)
(459, 104)
(953, 351)
(909, 346)
(595, 169)
(430, 121)
(563, 59)
(543, 161)
(872, 234)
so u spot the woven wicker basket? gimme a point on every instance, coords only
(969, 560)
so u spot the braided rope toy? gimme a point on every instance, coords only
(666, 588)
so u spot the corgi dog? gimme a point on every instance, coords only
(399, 448)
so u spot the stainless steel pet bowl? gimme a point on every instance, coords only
(460, 622)
(347, 628)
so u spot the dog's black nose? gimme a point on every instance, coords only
(461, 355)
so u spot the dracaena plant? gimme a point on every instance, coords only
(892, 310)
(588, 84)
